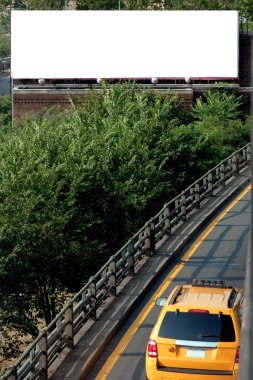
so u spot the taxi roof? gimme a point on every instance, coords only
(204, 293)
(216, 298)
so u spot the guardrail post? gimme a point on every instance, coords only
(192, 197)
(32, 356)
(197, 195)
(43, 356)
(69, 333)
(93, 301)
(167, 225)
(222, 175)
(210, 183)
(238, 158)
(147, 239)
(130, 255)
(150, 238)
(183, 206)
(235, 163)
(248, 155)
(112, 279)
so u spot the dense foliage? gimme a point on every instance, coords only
(4, 23)
(244, 6)
(33, 4)
(4, 46)
(5, 114)
(73, 188)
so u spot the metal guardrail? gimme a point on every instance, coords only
(60, 333)
(95, 86)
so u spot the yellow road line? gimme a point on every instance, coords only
(106, 369)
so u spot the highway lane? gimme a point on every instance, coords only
(219, 251)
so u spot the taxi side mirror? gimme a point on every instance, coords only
(160, 301)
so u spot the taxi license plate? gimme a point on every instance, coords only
(196, 353)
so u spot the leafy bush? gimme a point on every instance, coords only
(4, 23)
(5, 113)
(4, 46)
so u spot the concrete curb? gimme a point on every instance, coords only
(77, 363)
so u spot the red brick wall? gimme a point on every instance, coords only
(29, 102)
(25, 102)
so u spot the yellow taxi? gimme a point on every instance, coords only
(197, 334)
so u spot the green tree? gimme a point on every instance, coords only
(44, 4)
(220, 126)
(34, 4)
(73, 188)
(68, 190)
(42, 246)
(246, 8)
(97, 4)
(4, 45)
(218, 104)
(4, 23)
(4, 4)
(200, 4)
(5, 114)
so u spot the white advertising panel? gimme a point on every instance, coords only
(124, 44)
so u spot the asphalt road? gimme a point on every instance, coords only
(4, 84)
(220, 255)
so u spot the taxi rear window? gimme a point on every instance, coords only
(200, 327)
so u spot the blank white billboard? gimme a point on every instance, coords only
(124, 44)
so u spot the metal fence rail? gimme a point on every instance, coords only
(60, 333)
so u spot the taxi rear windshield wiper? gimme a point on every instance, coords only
(209, 336)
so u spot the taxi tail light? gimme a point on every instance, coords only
(237, 355)
(152, 348)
